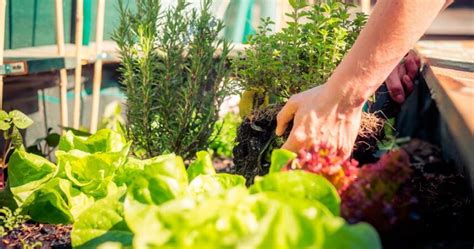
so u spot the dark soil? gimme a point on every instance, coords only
(443, 213)
(38, 236)
(255, 139)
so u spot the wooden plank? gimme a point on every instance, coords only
(62, 72)
(453, 21)
(25, 65)
(88, 53)
(78, 71)
(452, 86)
(97, 80)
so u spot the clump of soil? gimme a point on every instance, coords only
(256, 139)
(38, 236)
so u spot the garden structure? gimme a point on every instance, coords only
(175, 173)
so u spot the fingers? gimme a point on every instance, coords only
(297, 138)
(292, 143)
(284, 117)
(395, 87)
(407, 84)
(411, 68)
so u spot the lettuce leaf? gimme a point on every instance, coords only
(92, 173)
(102, 222)
(201, 166)
(210, 185)
(56, 202)
(280, 158)
(300, 184)
(28, 172)
(104, 140)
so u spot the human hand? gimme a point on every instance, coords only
(319, 115)
(400, 81)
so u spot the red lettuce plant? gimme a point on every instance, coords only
(377, 195)
(325, 160)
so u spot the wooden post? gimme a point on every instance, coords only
(62, 72)
(366, 6)
(97, 66)
(78, 71)
(3, 5)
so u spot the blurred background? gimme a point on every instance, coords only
(30, 34)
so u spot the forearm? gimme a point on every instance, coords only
(392, 29)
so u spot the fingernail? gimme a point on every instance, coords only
(399, 98)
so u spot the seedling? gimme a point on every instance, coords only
(11, 123)
(10, 220)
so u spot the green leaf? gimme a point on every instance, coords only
(103, 141)
(100, 223)
(280, 159)
(209, 185)
(201, 166)
(4, 116)
(48, 204)
(20, 120)
(4, 126)
(154, 189)
(27, 172)
(16, 138)
(170, 165)
(4, 121)
(92, 173)
(53, 139)
(34, 149)
(56, 202)
(126, 174)
(300, 184)
(339, 235)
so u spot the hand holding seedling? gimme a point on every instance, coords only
(332, 112)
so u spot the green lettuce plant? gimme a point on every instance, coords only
(113, 198)
(211, 210)
(174, 75)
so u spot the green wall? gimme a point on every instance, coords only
(32, 22)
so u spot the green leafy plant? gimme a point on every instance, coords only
(224, 135)
(302, 55)
(11, 220)
(10, 124)
(174, 75)
(111, 197)
(220, 212)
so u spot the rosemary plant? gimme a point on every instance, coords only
(173, 81)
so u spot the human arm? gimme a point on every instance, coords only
(332, 112)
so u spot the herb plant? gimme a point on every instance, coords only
(303, 54)
(10, 220)
(172, 77)
(224, 135)
(10, 124)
